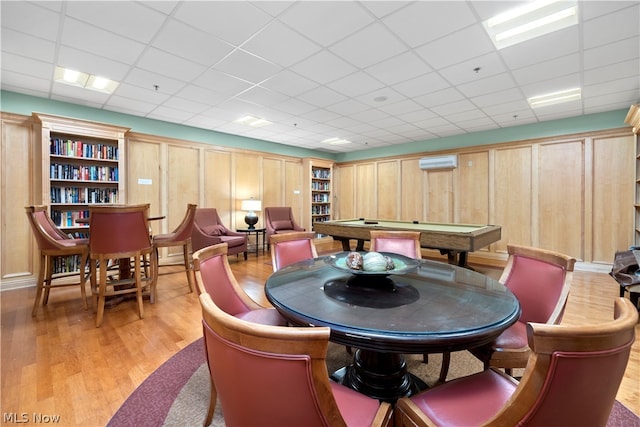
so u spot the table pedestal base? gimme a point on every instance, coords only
(382, 376)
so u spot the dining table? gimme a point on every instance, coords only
(417, 307)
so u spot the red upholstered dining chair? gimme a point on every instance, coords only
(279, 220)
(208, 230)
(405, 243)
(181, 236)
(119, 232)
(214, 276)
(53, 243)
(292, 247)
(541, 280)
(571, 379)
(286, 375)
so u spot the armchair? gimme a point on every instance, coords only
(572, 378)
(291, 247)
(208, 230)
(287, 373)
(53, 243)
(278, 220)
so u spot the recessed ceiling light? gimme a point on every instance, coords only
(336, 141)
(252, 121)
(84, 80)
(532, 20)
(555, 98)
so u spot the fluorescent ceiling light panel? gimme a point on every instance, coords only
(532, 20)
(336, 141)
(555, 98)
(84, 80)
(255, 122)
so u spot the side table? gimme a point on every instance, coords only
(257, 232)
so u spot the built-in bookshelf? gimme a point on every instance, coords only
(82, 165)
(320, 195)
(633, 119)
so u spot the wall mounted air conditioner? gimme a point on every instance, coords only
(439, 162)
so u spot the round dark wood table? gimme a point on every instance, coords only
(434, 307)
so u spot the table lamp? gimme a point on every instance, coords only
(251, 206)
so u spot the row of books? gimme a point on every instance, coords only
(320, 198)
(67, 218)
(83, 173)
(321, 173)
(320, 210)
(67, 147)
(319, 186)
(66, 264)
(83, 195)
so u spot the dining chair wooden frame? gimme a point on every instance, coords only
(119, 232)
(180, 236)
(287, 248)
(301, 395)
(54, 243)
(541, 280)
(572, 378)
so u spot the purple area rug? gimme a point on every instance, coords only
(177, 393)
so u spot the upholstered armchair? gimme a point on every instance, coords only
(279, 220)
(209, 230)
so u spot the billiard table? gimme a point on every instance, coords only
(454, 240)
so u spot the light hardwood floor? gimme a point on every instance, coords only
(60, 364)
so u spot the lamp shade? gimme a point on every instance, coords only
(251, 205)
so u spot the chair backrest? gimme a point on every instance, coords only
(405, 243)
(280, 218)
(119, 230)
(206, 218)
(47, 235)
(284, 367)
(541, 280)
(214, 276)
(574, 372)
(183, 231)
(292, 247)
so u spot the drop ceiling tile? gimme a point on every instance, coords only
(233, 21)
(26, 45)
(132, 105)
(453, 107)
(248, 67)
(487, 85)
(22, 83)
(348, 107)
(440, 97)
(474, 69)
(400, 68)
(613, 72)
(368, 46)
(498, 97)
(280, 44)
(29, 18)
(402, 107)
(149, 80)
(27, 66)
(100, 42)
(322, 97)
(628, 84)
(355, 84)
(382, 8)
(262, 96)
(541, 49)
(295, 106)
(169, 65)
(326, 25)
(222, 83)
(147, 95)
(425, 21)
(612, 53)
(421, 85)
(552, 85)
(568, 64)
(88, 63)
(132, 20)
(612, 27)
(201, 95)
(323, 67)
(460, 46)
(289, 83)
(190, 43)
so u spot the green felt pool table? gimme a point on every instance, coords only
(455, 240)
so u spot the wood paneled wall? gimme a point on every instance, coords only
(570, 194)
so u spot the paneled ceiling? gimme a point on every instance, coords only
(377, 73)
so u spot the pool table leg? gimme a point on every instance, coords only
(346, 245)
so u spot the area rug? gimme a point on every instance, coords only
(177, 393)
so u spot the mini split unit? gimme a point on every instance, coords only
(439, 162)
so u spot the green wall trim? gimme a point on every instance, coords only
(12, 102)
